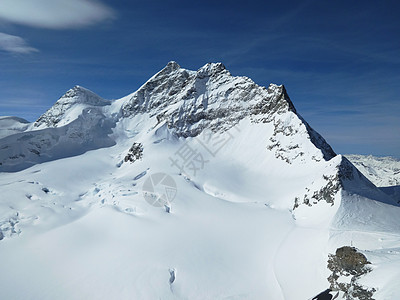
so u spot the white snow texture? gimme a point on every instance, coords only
(227, 193)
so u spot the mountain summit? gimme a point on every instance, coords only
(69, 107)
(211, 98)
(186, 103)
(199, 185)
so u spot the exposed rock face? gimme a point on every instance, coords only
(326, 193)
(348, 260)
(135, 153)
(189, 101)
(346, 177)
(347, 266)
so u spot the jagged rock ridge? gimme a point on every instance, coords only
(188, 102)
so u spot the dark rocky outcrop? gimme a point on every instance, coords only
(135, 153)
(349, 263)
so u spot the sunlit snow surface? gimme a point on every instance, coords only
(12, 125)
(384, 172)
(81, 227)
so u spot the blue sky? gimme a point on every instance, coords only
(339, 60)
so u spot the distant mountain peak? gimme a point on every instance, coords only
(13, 118)
(172, 65)
(382, 171)
(11, 125)
(69, 107)
(79, 94)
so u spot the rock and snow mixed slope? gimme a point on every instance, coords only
(247, 200)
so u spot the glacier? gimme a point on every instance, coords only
(199, 185)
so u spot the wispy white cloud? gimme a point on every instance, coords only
(15, 44)
(55, 14)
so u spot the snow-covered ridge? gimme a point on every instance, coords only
(10, 120)
(11, 125)
(382, 171)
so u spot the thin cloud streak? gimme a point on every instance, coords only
(55, 14)
(15, 44)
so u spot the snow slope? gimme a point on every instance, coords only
(75, 124)
(230, 195)
(384, 172)
(12, 125)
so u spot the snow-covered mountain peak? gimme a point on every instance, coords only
(194, 181)
(172, 66)
(79, 94)
(69, 107)
(184, 104)
(281, 97)
(211, 98)
(212, 69)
